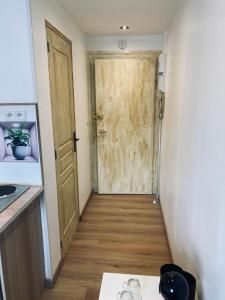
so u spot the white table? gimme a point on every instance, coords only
(126, 287)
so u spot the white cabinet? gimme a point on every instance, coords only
(17, 83)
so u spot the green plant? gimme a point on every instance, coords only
(17, 137)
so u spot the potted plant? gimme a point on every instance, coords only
(19, 141)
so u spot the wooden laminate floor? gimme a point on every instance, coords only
(121, 234)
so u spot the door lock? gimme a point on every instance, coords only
(99, 117)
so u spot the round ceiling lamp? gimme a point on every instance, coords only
(124, 27)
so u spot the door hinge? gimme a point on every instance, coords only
(61, 244)
(48, 46)
(55, 154)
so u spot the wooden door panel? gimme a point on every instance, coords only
(61, 79)
(65, 126)
(66, 156)
(125, 90)
(68, 191)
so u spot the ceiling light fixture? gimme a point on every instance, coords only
(125, 27)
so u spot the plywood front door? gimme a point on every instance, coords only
(125, 93)
(63, 116)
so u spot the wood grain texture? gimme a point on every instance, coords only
(125, 98)
(121, 234)
(63, 116)
(93, 56)
(22, 256)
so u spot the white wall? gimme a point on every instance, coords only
(16, 56)
(50, 10)
(134, 43)
(193, 152)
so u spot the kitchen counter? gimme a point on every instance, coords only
(22, 269)
(8, 215)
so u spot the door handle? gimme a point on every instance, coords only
(102, 131)
(75, 140)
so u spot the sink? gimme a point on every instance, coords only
(6, 190)
(9, 193)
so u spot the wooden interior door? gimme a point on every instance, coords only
(63, 117)
(125, 93)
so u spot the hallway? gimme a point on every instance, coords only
(118, 234)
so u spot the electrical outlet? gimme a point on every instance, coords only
(9, 116)
(20, 115)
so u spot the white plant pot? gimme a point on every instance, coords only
(20, 152)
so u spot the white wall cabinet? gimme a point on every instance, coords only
(17, 84)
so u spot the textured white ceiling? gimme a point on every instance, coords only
(104, 17)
